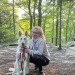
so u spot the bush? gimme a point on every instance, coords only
(7, 36)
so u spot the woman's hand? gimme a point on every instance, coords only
(26, 50)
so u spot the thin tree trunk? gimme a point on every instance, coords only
(13, 17)
(30, 15)
(0, 21)
(74, 25)
(10, 24)
(56, 31)
(60, 25)
(68, 22)
(53, 22)
(73, 29)
(0, 14)
(34, 19)
(67, 25)
(44, 24)
(39, 13)
(57, 24)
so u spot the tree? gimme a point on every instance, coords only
(68, 18)
(13, 17)
(39, 13)
(34, 19)
(60, 25)
(29, 2)
(53, 22)
(6, 27)
(57, 22)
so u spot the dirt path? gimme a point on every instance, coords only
(62, 62)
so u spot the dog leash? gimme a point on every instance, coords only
(22, 55)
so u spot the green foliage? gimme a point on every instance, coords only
(49, 13)
(23, 25)
(6, 36)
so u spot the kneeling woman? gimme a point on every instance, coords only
(37, 49)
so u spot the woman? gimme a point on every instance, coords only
(37, 49)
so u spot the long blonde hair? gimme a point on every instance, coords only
(41, 32)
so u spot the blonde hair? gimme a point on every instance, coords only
(40, 31)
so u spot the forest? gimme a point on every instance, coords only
(56, 17)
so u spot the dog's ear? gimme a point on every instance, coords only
(20, 33)
(26, 33)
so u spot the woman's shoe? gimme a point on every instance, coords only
(39, 73)
(36, 68)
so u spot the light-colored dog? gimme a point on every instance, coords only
(22, 59)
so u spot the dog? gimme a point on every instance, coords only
(22, 58)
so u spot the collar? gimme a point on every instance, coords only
(35, 40)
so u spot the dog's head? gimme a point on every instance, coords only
(22, 42)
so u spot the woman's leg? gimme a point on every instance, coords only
(44, 60)
(39, 60)
(36, 60)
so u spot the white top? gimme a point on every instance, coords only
(38, 46)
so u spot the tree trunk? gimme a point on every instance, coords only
(60, 25)
(53, 22)
(68, 22)
(44, 24)
(13, 18)
(0, 14)
(39, 13)
(0, 18)
(56, 31)
(30, 15)
(73, 29)
(34, 19)
(57, 23)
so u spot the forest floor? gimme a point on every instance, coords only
(62, 62)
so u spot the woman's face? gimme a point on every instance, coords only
(35, 33)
